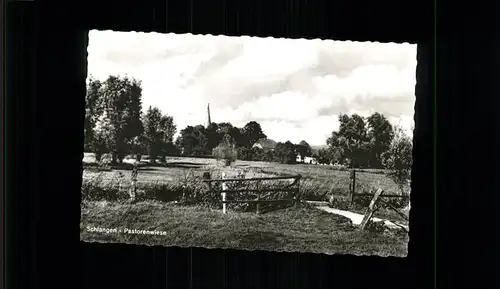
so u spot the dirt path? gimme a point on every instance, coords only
(357, 218)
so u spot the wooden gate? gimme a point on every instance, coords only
(294, 188)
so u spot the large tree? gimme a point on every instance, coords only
(167, 130)
(285, 153)
(192, 141)
(361, 142)
(380, 133)
(101, 136)
(152, 133)
(116, 93)
(398, 158)
(159, 131)
(351, 142)
(213, 137)
(304, 149)
(251, 133)
(324, 156)
(132, 114)
(115, 106)
(224, 128)
(93, 110)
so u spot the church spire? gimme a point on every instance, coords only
(209, 120)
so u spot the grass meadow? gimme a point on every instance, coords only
(295, 229)
(172, 198)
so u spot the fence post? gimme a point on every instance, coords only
(353, 185)
(297, 193)
(207, 177)
(224, 188)
(257, 205)
(371, 209)
(133, 183)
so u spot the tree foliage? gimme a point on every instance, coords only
(99, 142)
(118, 116)
(193, 141)
(304, 149)
(398, 158)
(226, 150)
(380, 133)
(199, 140)
(159, 131)
(93, 110)
(152, 133)
(285, 153)
(360, 142)
(251, 133)
(114, 124)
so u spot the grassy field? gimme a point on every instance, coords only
(294, 229)
(162, 190)
(317, 181)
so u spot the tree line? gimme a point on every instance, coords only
(115, 124)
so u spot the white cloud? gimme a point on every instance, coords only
(295, 88)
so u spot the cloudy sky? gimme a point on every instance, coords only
(294, 88)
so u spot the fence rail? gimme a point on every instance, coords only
(353, 194)
(385, 196)
(294, 187)
(260, 201)
(253, 179)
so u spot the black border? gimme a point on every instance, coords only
(47, 72)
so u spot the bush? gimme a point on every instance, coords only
(190, 189)
(225, 152)
(94, 189)
(398, 159)
(376, 227)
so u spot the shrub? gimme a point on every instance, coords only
(376, 227)
(95, 189)
(164, 192)
(398, 159)
(225, 152)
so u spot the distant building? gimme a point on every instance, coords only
(306, 160)
(310, 160)
(265, 144)
(258, 145)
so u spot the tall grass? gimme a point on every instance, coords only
(188, 187)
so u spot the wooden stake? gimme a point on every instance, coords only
(353, 185)
(371, 209)
(224, 188)
(257, 206)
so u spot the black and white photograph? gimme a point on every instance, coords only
(248, 143)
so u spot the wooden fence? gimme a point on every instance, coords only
(353, 194)
(376, 203)
(294, 188)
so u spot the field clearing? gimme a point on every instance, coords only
(300, 228)
(320, 180)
